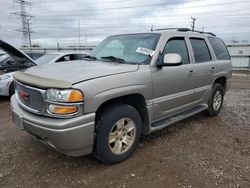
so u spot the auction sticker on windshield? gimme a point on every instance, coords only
(145, 51)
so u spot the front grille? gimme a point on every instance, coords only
(30, 98)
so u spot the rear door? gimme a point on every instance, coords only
(204, 68)
(223, 60)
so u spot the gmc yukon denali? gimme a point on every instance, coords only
(130, 85)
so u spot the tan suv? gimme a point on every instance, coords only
(130, 85)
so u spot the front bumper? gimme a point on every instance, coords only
(73, 137)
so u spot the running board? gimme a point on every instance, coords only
(173, 119)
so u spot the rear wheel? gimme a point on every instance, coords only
(215, 101)
(118, 133)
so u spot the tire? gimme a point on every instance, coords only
(116, 126)
(12, 89)
(213, 106)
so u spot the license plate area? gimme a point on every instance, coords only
(18, 120)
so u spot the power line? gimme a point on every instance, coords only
(159, 4)
(136, 20)
(86, 11)
(25, 21)
(120, 12)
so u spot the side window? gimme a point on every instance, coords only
(78, 56)
(219, 48)
(67, 58)
(200, 49)
(72, 57)
(64, 58)
(177, 45)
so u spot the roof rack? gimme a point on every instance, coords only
(182, 30)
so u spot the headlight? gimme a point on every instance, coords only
(66, 95)
(4, 77)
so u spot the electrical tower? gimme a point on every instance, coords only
(193, 23)
(25, 20)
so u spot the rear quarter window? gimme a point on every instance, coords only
(200, 49)
(219, 48)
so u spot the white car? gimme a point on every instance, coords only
(6, 79)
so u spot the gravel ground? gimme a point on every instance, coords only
(197, 152)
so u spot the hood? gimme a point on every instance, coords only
(16, 54)
(74, 72)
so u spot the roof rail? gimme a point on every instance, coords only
(170, 28)
(203, 32)
(183, 30)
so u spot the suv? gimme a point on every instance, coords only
(130, 85)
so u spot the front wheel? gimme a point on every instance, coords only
(118, 132)
(215, 101)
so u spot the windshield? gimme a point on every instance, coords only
(34, 55)
(132, 48)
(46, 58)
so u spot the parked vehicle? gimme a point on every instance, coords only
(130, 85)
(55, 57)
(34, 55)
(12, 64)
(3, 58)
(9, 64)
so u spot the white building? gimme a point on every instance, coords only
(240, 56)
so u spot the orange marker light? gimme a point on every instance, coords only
(75, 96)
(62, 110)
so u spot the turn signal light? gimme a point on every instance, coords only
(62, 110)
(75, 96)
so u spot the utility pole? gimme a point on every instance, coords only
(25, 20)
(29, 32)
(193, 23)
(79, 35)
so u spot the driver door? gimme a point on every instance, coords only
(173, 85)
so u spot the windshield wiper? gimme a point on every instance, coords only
(89, 57)
(113, 58)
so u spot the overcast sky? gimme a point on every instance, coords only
(58, 20)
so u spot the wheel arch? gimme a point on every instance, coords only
(137, 101)
(223, 81)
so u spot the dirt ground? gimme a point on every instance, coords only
(197, 152)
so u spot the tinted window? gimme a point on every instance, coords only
(200, 49)
(219, 48)
(177, 45)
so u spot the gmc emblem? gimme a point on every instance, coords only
(23, 95)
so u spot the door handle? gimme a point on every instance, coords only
(190, 73)
(212, 69)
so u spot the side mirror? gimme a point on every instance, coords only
(171, 59)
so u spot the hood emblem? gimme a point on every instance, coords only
(24, 96)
